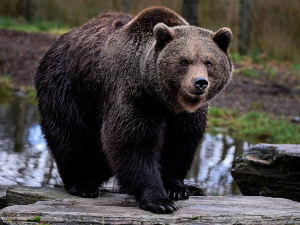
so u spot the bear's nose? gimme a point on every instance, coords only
(200, 84)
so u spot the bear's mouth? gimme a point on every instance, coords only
(192, 98)
(197, 93)
(191, 102)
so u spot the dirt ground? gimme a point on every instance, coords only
(278, 94)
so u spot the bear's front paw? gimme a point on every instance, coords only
(84, 189)
(160, 205)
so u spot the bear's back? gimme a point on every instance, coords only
(75, 53)
(101, 27)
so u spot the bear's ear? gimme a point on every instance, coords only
(163, 34)
(223, 38)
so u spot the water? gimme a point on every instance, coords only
(211, 168)
(25, 160)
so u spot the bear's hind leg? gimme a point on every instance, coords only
(89, 187)
(79, 159)
(93, 172)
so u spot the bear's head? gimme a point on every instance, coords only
(192, 65)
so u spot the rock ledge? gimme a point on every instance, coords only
(269, 170)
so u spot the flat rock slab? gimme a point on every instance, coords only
(28, 195)
(124, 210)
(16, 195)
(271, 170)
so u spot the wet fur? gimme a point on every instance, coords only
(105, 112)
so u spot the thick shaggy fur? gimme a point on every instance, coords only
(116, 97)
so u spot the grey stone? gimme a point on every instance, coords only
(193, 188)
(120, 209)
(296, 119)
(269, 170)
(124, 210)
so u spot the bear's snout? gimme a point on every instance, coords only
(200, 84)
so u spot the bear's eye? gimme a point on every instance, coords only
(184, 62)
(208, 64)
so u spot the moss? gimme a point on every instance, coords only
(6, 86)
(36, 219)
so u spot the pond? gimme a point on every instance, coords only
(25, 160)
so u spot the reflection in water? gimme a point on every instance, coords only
(211, 168)
(25, 160)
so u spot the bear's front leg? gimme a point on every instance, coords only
(132, 142)
(183, 134)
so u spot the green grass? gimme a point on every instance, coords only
(30, 92)
(6, 86)
(236, 57)
(247, 71)
(53, 27)
(272, 71)
(250, 72)
(255, 125)
(256, 105)
(256, 59)
(296, 66)
(36, 219)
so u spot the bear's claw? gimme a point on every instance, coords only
(162, 206)
(176, 189)
(178, 194)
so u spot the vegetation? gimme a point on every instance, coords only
(268, 71)
(255, 125)
(296, 66)
(53, 27)
(36, 219)
(7, 87)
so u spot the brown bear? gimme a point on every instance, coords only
(128, 96)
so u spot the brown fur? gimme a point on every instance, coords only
(118, 96)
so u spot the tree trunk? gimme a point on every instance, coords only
(244, 25)
(126, 5)
(25, 9)
(190, 11)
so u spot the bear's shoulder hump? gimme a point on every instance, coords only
(148, 18)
